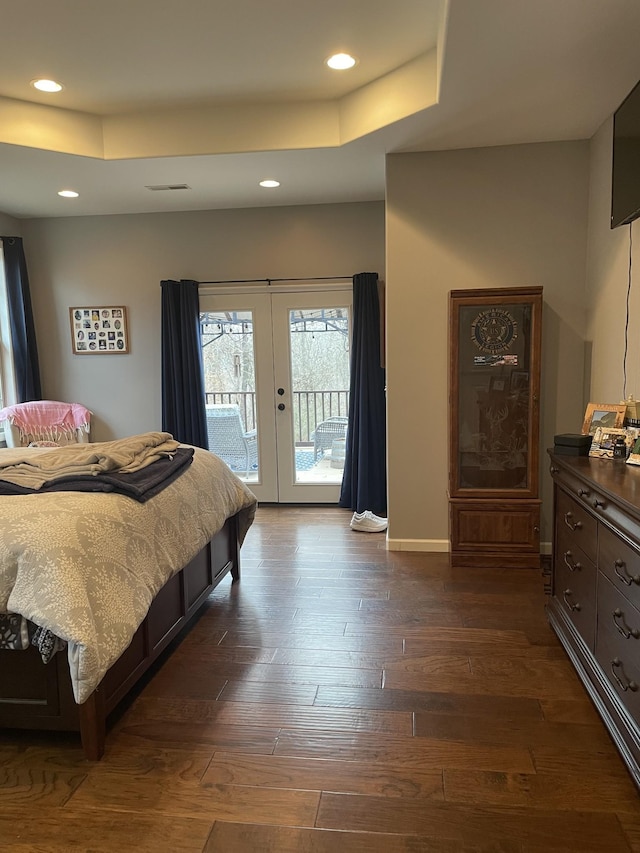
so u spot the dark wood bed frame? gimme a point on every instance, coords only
(38, 696)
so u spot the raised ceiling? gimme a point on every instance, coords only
(219, 94)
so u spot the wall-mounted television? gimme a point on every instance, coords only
(625, 182)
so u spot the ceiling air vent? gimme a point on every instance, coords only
(163, 187)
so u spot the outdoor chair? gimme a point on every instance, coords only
(228, 439)
(327, 432)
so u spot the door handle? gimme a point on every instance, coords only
(569, 604)
(572, 525)
(620, 569)
(624, 628)
(630, 685)
(570, 563)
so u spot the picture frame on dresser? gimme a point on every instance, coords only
(634, 456)
(606, 415)
(604, 439)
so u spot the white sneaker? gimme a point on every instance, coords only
(367, 522)
(368, 514)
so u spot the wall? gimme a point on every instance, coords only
(492, 217)
(9, 226)
(120, 260)
(489, 217)
(607, 285)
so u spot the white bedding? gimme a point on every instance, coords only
(87, 566)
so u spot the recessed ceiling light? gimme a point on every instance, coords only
(341, 61)
(68, 194)
(269, 183)
(47, 85)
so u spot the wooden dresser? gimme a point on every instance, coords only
(595, 603)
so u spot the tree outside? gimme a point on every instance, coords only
(319, 342)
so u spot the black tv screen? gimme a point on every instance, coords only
(625, 183)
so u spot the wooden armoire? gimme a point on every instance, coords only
(494, 411)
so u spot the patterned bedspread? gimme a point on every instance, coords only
(87, 566)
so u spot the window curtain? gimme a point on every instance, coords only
(21, 325)
(364, 484)
(183, 404)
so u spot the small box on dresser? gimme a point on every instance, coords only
(572, 444)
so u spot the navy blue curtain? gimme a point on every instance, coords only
(183, 405)
(21, 325)
(364, 484)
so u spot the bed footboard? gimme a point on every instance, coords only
(38, 696)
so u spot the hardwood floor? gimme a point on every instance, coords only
(340, 699)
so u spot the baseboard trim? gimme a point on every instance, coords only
(440, 546)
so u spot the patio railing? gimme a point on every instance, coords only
(309, 409)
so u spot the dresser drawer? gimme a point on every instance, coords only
(572, 484)
(575, 520)
(617, 615)
(617, 647)
(569, 556)
(620, 563)
(574, 586)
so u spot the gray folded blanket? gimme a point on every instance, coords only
(141, 484)
(34, 466)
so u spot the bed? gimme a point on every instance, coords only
(112, 578)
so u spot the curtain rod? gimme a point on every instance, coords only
(270, 281)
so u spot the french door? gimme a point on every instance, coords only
(277, 370)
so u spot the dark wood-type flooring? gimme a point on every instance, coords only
(340, 699)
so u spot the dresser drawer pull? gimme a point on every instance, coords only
(626, 578)
(554, 469)
(583, 493)
(569, 604)
(630, 685)
(622, 626)
(572, 525)
(573, 567)
(598, 504)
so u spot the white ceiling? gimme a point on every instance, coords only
(219, 94)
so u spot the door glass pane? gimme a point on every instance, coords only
(230, 389)
(319, 344)
(493, 396)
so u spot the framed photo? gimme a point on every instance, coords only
(605, 415)
(99, 330)
(519, 380)
(604, 438)
(634, 456)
